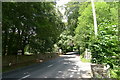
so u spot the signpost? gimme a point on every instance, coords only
(19, 52)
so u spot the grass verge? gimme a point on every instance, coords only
(84, 60)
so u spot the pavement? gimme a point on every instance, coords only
(65, 66)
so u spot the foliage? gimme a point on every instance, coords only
(66, 42)
(104, 47)
(72, 15)
(40, 26)
(36, 24)
(84, 29)
(83, 59)
(66, 39)
(115, 73)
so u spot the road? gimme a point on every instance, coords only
(65, 66)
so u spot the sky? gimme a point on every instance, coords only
(62, 9)
(61, 2)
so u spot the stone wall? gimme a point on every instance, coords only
(100, 71)
(17, 59)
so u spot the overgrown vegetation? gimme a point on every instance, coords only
(84, 60)
(35, 25)
(104, 47)
(38, 28)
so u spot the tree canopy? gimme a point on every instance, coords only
(35, 24)
(38, 27)
(104, 47)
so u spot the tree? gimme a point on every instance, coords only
(37, 24)
(66, 39)
(72, 16)
(104, 48)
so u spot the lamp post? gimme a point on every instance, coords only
(94, 18)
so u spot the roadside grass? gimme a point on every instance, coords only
(84, 60)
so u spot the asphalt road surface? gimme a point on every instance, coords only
(65, 66)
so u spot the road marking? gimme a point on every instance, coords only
(24, 77)
(50, 65)
(71, 75)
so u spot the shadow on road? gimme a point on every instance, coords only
(66, 66)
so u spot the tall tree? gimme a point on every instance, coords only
(36, 24)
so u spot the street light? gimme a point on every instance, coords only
(94, 18)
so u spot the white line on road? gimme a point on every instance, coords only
(50, 65)
(24, 77)
(71, 75)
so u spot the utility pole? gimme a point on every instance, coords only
(94, 18)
